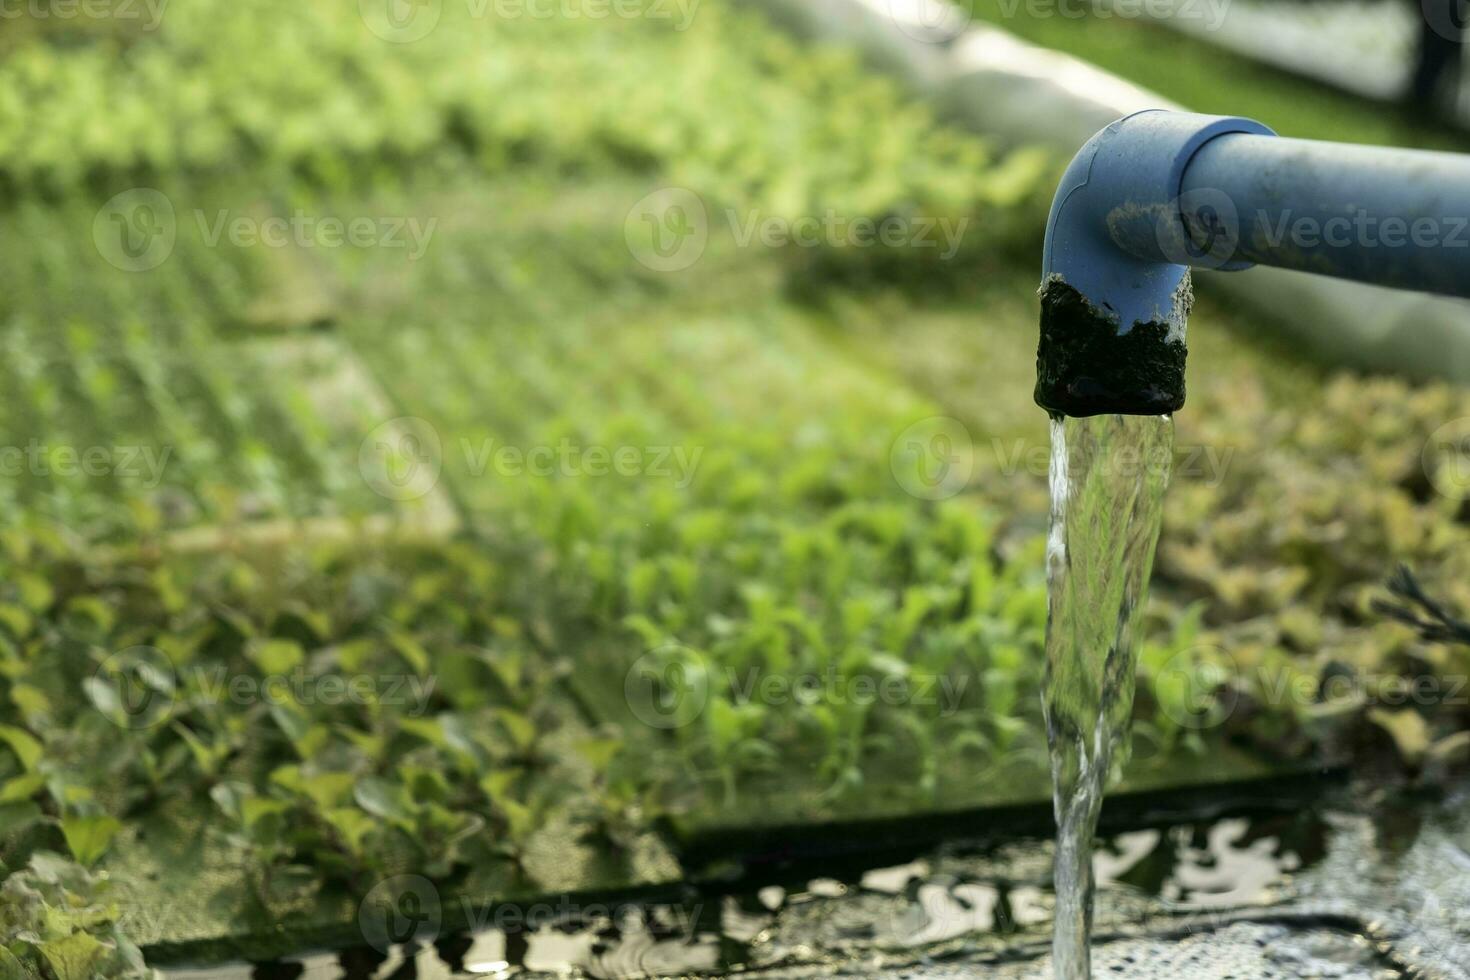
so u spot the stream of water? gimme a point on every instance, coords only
(1108, 475)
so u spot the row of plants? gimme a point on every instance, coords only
(768, 529)
(135, 402)
(221, 434)
(62, 921)
(317, 718)
(117, 733)
(719, 102)
(1291, 547)
(1297, 491)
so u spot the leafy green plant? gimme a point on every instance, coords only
(58, 920)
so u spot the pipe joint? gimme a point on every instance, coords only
(1115, 293)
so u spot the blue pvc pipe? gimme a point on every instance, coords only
(1157, 193)
(1392, 217)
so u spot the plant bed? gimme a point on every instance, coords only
(258, 744)
(779, 405)
(180, 885)
(794, 812)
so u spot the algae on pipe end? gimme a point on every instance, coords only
(1085, 367)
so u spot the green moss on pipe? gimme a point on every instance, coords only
(1085, 367)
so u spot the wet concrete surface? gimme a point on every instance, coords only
(1305, 892)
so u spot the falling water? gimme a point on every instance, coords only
(1108, 475)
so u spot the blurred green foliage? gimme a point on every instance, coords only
(780, 543)
(62, 921)
(724, 105)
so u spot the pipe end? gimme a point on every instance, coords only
(1086, 364)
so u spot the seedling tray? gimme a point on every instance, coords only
(187, 900)
(790, 814)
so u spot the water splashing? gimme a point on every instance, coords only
(1108, 475)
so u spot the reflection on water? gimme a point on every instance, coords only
(940, 897)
